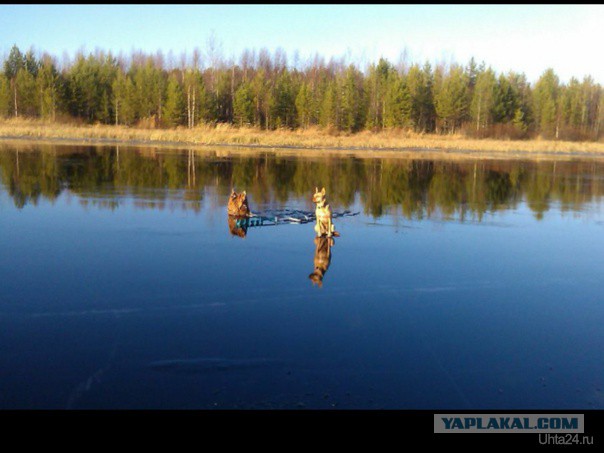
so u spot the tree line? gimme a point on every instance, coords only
(415, 188)
(261, 90)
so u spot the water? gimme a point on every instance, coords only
(460, 285)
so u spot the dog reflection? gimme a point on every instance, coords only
(322, 259)
(238, 226)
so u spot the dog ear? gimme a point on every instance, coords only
(243, 193)
(316, 189)
(323, 191)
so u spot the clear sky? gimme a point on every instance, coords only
(524, 38)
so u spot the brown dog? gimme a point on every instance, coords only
(324, 225)
(322, 259)
(237, 205)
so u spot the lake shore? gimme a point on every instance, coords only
(300, 142)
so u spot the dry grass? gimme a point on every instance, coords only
(309, 138)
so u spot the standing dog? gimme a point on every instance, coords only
(324, 225)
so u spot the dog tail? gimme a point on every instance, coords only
(336, 234)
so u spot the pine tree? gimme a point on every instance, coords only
(590, 95)
(223, 101)
(473, 71)
(397, 103)
(145, 89)
(5, 97)
(523, 97)
(545, 99)
(31, 63)
(283, 105)
(123, 99)
(599, 121)
(107, 73)
(377, 86)
(87, 88)
(304, 105)
(572, 104)
(174, 107)
(519, 121)
(419, 82)
(243, 106)
(12, 66)
(203, 103)
(48, 81)
(352, 106)
(26, 93)
(329, 113)
(505, 102)
(14, 63)
(260, 93)
(483, 99)
(451, 98)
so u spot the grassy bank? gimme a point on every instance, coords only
(304, 139)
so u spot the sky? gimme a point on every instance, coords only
(523, 38)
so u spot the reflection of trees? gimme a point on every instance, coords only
(417, 188)
(27, 179)
(446, 190)
(538, 191)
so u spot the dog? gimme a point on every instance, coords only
(323, 215)
(322, 259)
(237, 205)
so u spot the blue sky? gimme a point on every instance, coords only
(524, 38)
